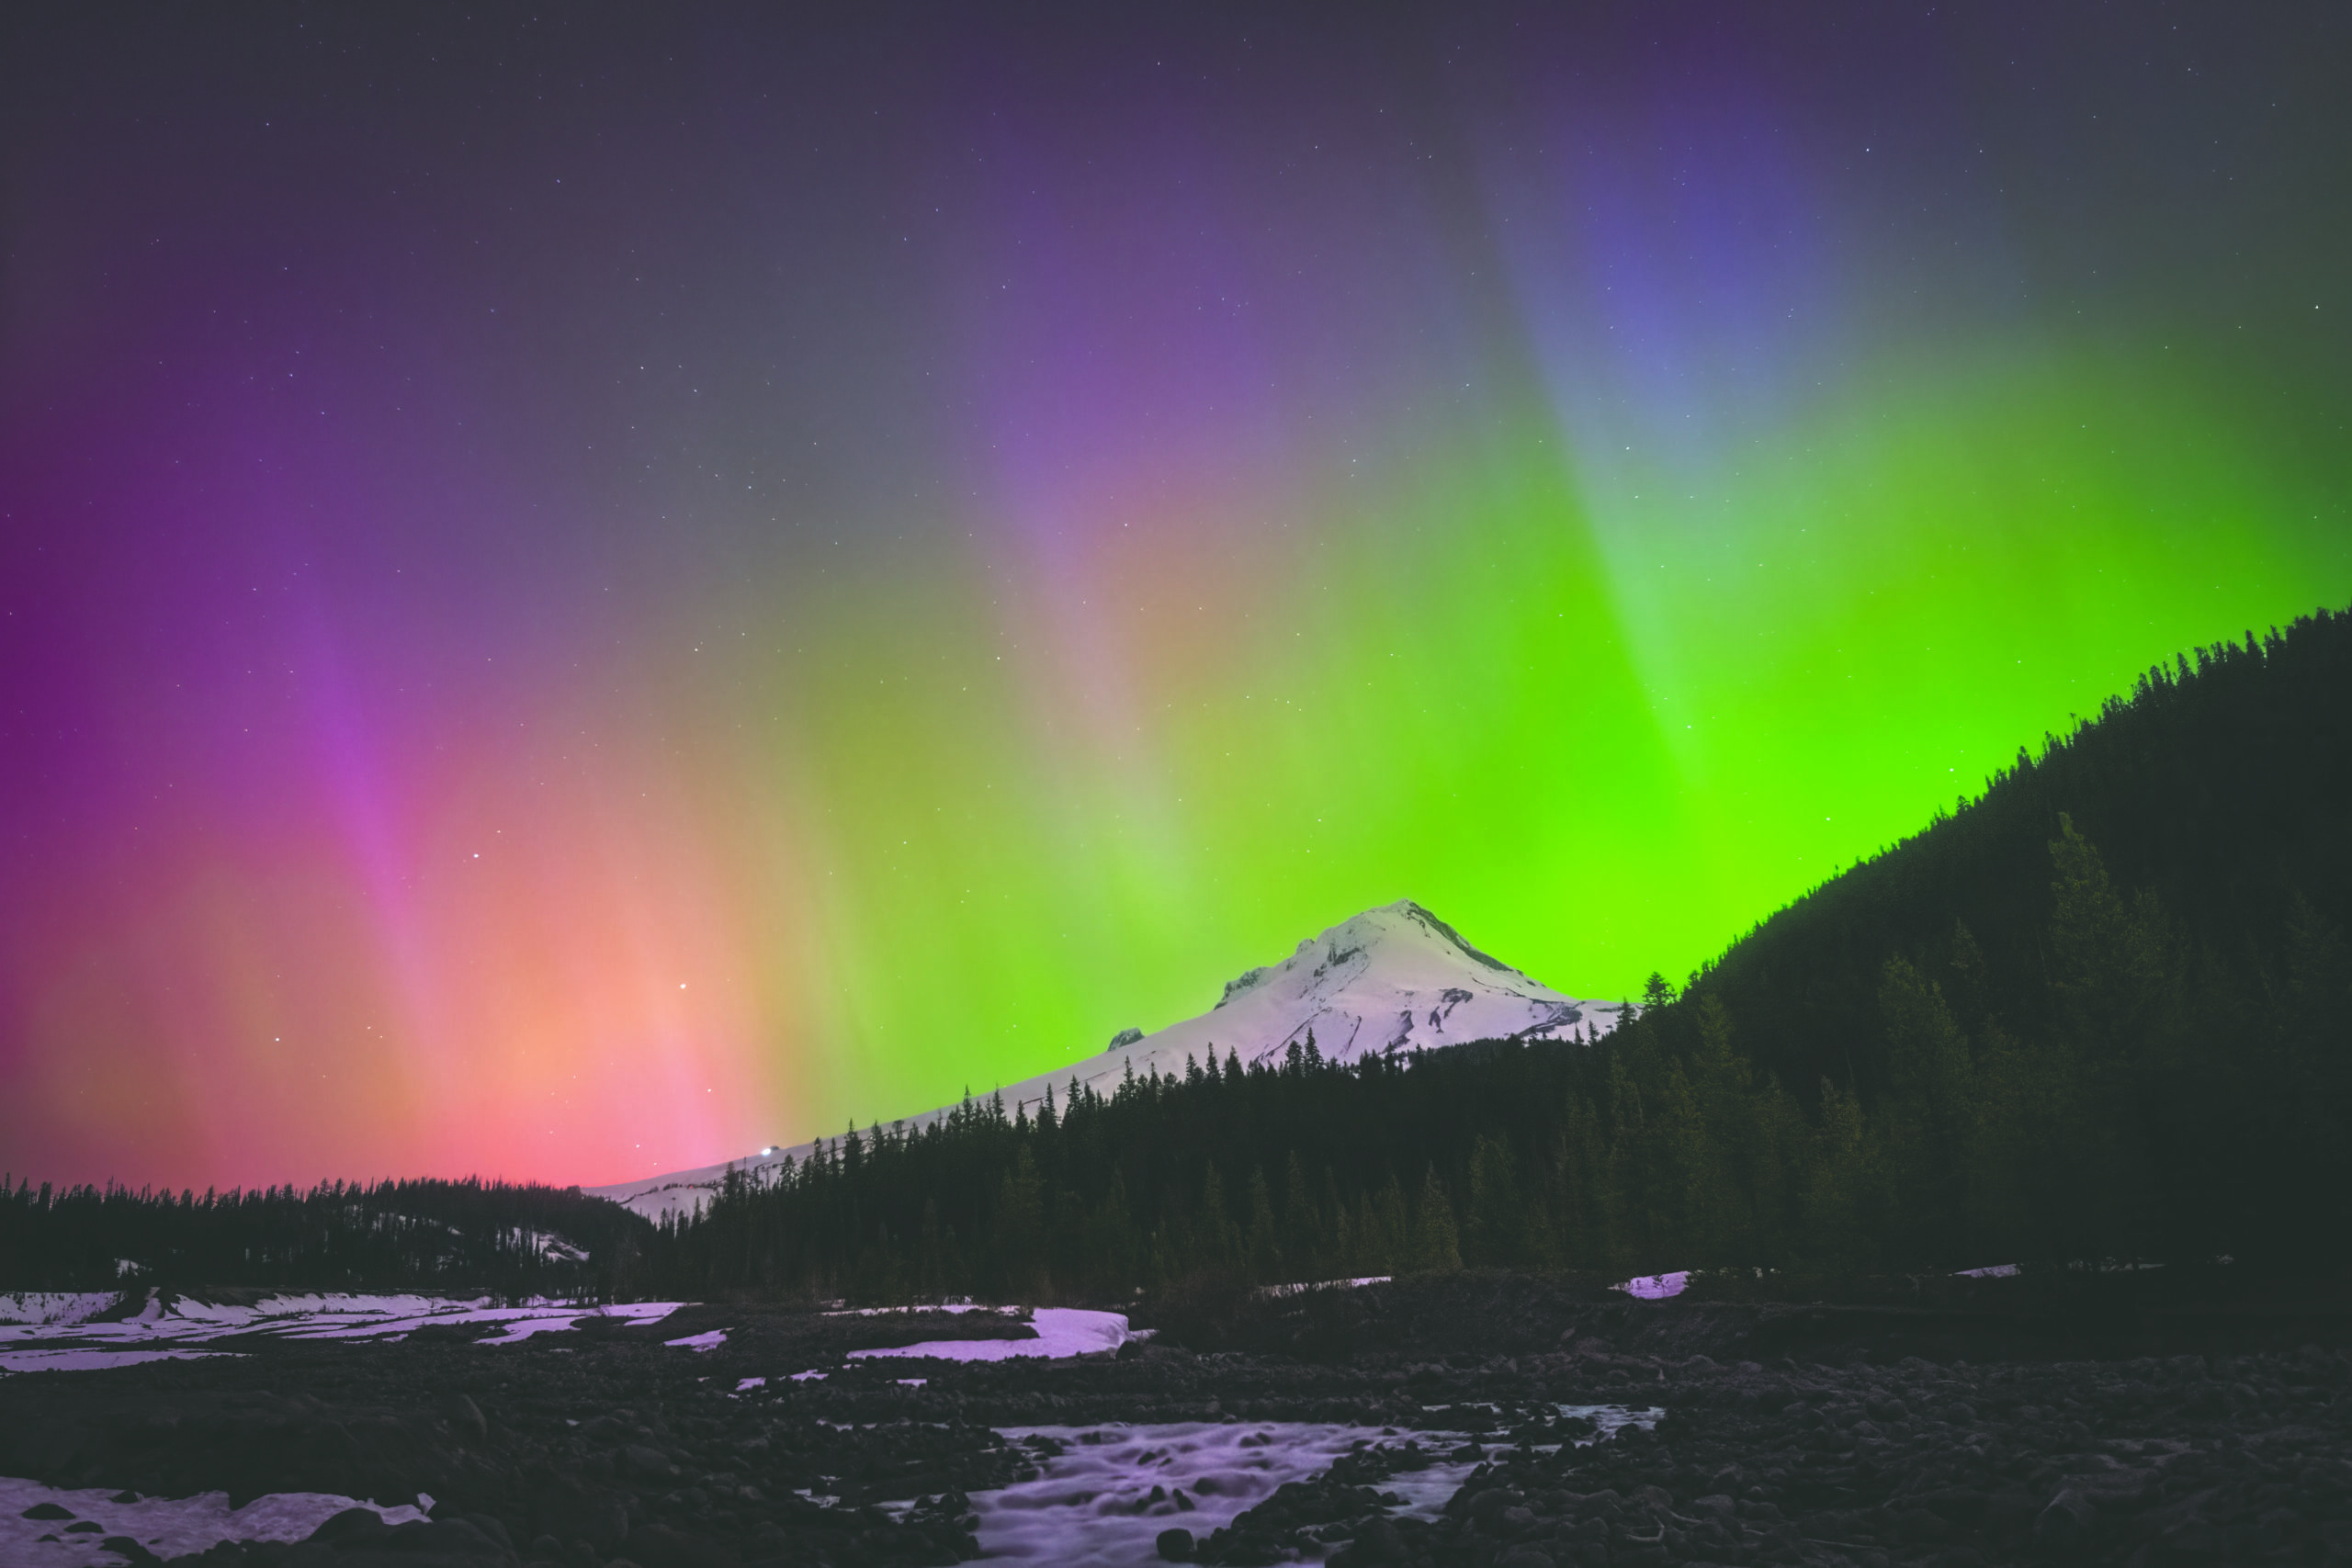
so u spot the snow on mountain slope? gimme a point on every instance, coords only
(1395, 978)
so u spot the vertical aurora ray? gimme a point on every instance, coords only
(572, 634)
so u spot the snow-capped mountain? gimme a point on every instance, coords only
(1395, 978)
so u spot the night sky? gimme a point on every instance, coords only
(583, 593)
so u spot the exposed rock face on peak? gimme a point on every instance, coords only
(1234, 987)
(1395, 978)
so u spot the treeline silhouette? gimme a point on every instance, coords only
(2106, 1009)
(2220, 788)
(508, 1240)
(2101, 1011)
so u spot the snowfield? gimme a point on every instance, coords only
(168, 1327)
(1061, 1331)
(1395, 978)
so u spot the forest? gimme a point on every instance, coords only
(2097, 1013)
(507, 1240)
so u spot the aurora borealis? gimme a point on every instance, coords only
(576, 597)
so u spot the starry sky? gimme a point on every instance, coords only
(583, 591)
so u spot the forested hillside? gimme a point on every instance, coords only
(2220, 789)
(2101, 1011)
(389, 1235)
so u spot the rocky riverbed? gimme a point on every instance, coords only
(1504, 1422)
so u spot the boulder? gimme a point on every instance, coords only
(2066, 1524)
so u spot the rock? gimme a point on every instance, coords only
(131, 1547)
(47, 1511)
(491, 1529)
(2277, 1527)
(1964, 1506)
(1747, 1466)
(2009, 1512)
(2066, 1524)
(1525, 1555)
(1175, 1545)
(1920, 1526)
(450, 1538)
(659, 1546)
(349, 1525)
(1377, 1545)
(465, 1416)
(639, 1462)
(2115, 1488)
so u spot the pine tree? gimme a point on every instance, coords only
(1302, 1245)
(1495, 1219)
(1216, 1243)
(1932, 1105)
(1262, 1247)
(1016, 1235)
(1437, 1247)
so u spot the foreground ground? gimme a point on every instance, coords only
(2140, 1430)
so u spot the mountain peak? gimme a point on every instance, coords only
(1392, 979)
(1364, 931)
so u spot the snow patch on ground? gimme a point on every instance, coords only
(168, 1526)
(165, 1327)
(710, 1341)
(524, 1328)
(1279, 1290)
(1061, 1331)
(1657, 1287)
